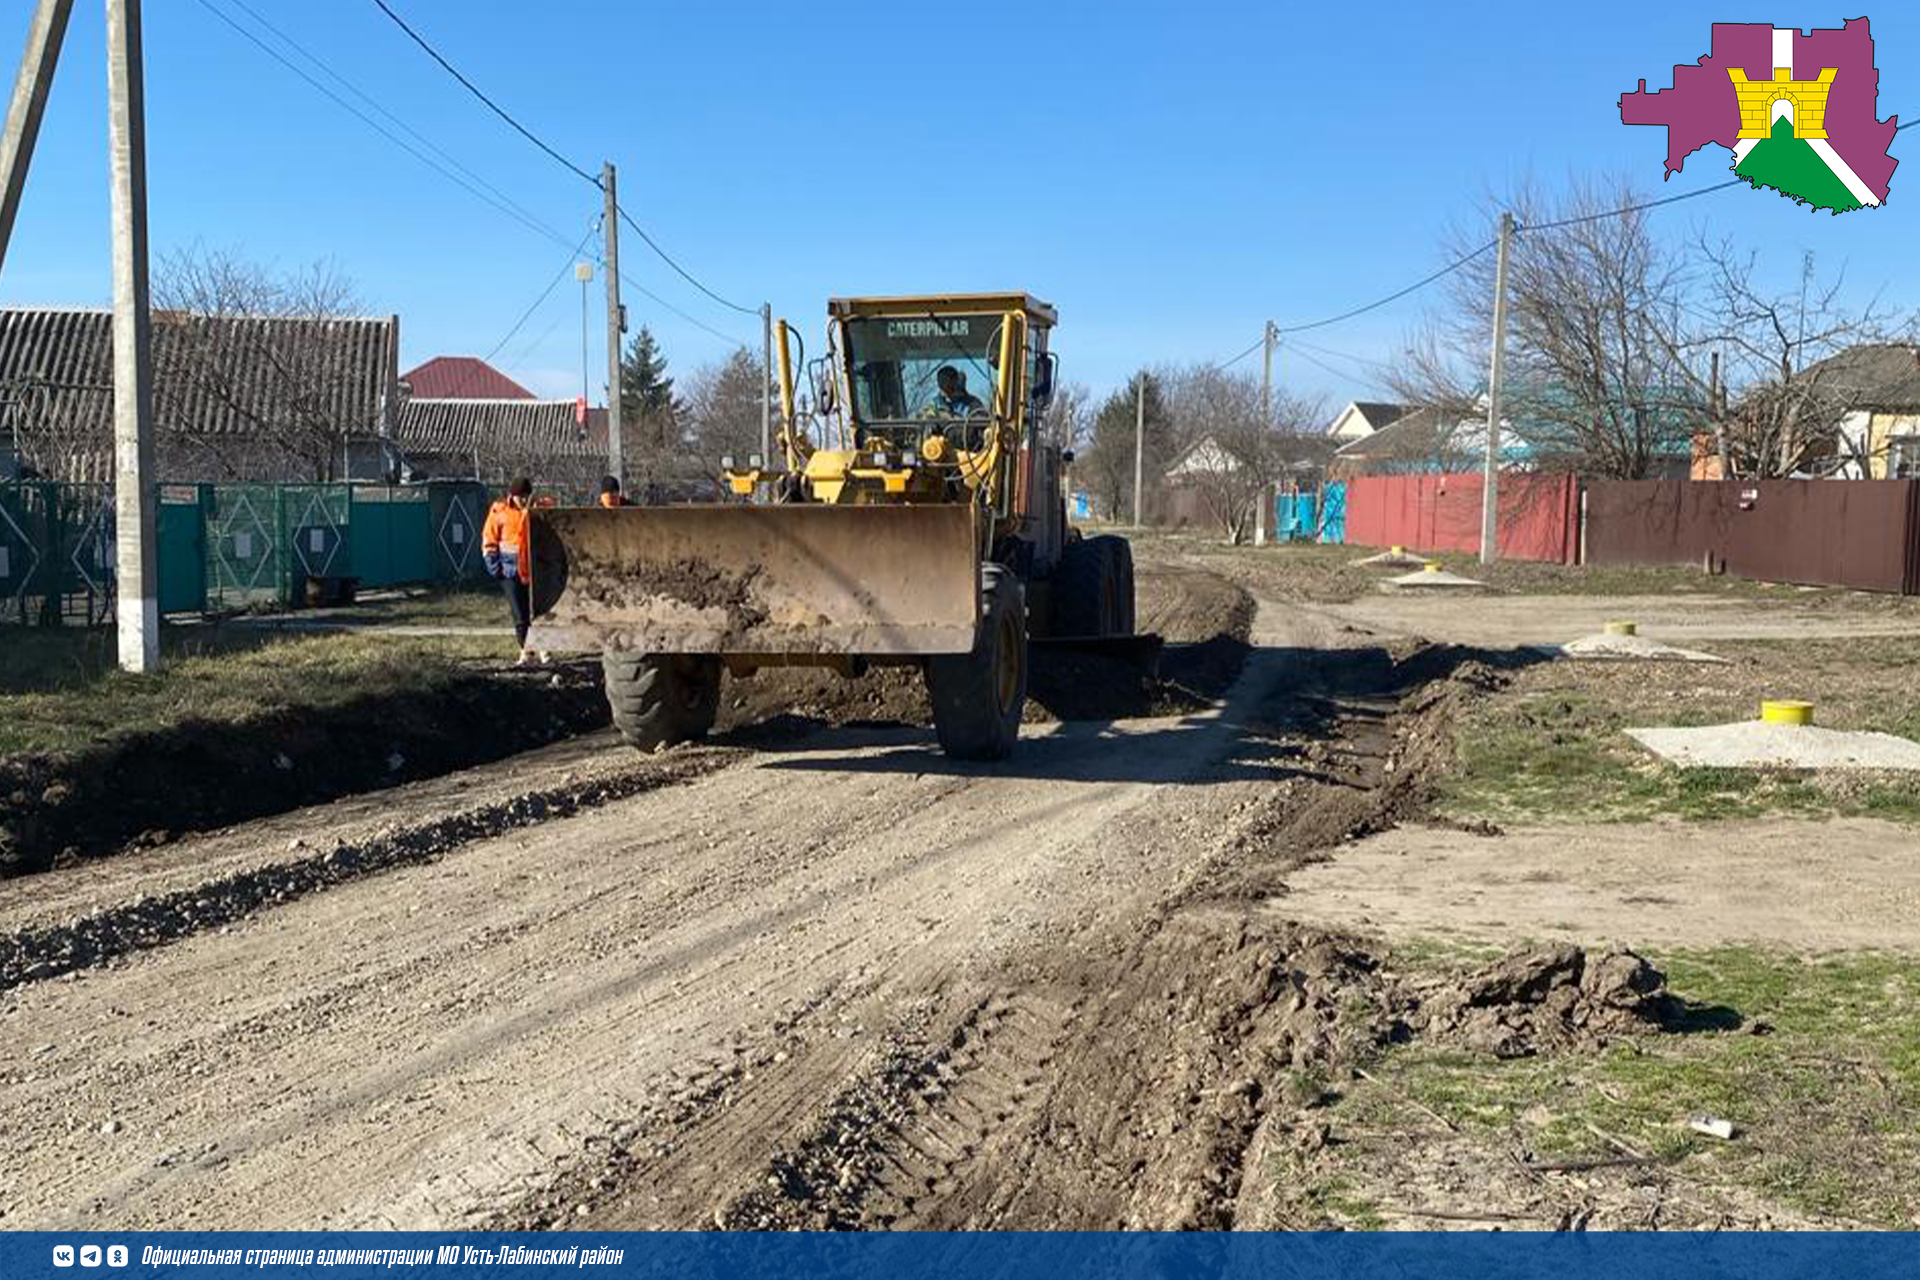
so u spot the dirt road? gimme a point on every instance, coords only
(847, 982)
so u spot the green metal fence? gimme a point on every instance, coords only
(233, 546)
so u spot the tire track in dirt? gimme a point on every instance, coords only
(1123, 1084)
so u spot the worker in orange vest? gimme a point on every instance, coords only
(610, 495)
(503, 543)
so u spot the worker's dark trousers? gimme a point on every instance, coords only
(519, 600)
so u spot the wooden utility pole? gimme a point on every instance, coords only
(30, 87)
(137, 609)
(1139, 446)
(616, 325)
(1490, 490)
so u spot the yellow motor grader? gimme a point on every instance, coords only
(914, 517)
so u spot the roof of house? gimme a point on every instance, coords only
(1420, 434)
(1877, 375)
(514, 429)
(1378, 413)
(212, 375)
(462, 377)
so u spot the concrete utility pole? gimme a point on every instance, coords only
(1139, 447)
(44, 37)
(616, 325)
(766, 384)
(1268, 337)
(1490, 490)
(137, 611)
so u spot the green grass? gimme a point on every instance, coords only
(62, 691)
(1825, 1102)
(1553, 747)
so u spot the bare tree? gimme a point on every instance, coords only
(1237, 454)
(722, 407)
(249, 367)
(1069, 419)
(1796, 366)
(1597, 354)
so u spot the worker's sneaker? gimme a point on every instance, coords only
(546, 659)
(525, 659)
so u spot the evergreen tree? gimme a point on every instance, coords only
(648, 409)
(1110, 460)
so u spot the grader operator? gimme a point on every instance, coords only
(910, 522)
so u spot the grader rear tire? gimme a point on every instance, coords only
(978, 697)
(660, 699)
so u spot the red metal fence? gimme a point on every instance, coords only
(1538, 515)
(1863, 534)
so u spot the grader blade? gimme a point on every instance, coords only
(800, 579)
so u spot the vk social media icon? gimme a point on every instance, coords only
(63, 1255)
(116, 1255)
(89, 1255)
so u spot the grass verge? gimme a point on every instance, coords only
(1552, 746)
(1821, 1079)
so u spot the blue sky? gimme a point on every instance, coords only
(1168, 175)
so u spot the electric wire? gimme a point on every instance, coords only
(591, 178)
(1228, 364)
(474, 89)
(572, 258)
(532, 224)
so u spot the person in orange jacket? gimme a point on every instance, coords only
(503, 544)
(610, 495)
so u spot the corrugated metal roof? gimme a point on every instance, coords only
(499, 428)
(214, 377)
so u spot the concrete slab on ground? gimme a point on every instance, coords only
(1753, 744)
(1808, 885)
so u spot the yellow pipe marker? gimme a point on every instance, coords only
(1786, 711)
(1623, 628)
(1433, 566)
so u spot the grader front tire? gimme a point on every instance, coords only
(658, 700)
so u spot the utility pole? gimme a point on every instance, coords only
(1490, 489)
(44, 37)
(616, 325)
(137, 610)
(1139, 446)
(766, 384)
(1268, 336)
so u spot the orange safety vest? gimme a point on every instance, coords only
(505, 537)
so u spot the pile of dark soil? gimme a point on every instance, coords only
(149, 788)
(1550, 998)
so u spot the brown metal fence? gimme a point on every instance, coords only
(1863, 534)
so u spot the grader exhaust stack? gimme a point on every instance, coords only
(911, 521)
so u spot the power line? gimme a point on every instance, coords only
(544, 293)
(319, 62)
(684, 273)
(474, 89)
(520, 216)
(476, 186)
(592, 178)
(1243, 355)
(1395, 296)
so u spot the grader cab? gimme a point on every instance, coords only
(913, 515)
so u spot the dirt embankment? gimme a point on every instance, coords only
(148, 789)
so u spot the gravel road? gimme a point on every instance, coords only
(480, 999)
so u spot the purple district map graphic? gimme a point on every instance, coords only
(1704, 104)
